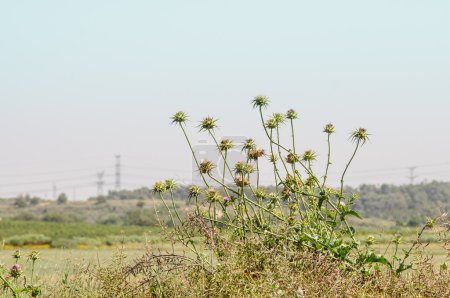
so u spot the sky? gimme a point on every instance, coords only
(83, 81)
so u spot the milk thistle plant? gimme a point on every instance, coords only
(302, 213)
(14, 280)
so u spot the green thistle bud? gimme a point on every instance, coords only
(208, 124)
(260, 101)
(329, 128)
(286, 193)
(242, 168)
(206, 167)
(397, 239)
(254, 154)
(260, 193)
(293, 207)
(291, 114)
(309, 155)
(370, 240)
(273, 197)
(279, 118)
(241, 181)
(194, 191)
(225, 145)
(249, 144)
(360, 135)
(179, 117)
(430, 223)
(212, 195)
(170, 184)
(16, 255)
(33, 256)
(159, 187)
(273, 158)
(310, 181)
(271, 123)
(292, 158)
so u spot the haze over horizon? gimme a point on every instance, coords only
(81, 82)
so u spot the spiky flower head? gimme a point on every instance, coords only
(286, 193)
(241, 181)
(273, 158)
(370, 240)
(179, 117)
(243, 168)
(249, 144)
(293, 207)
(260, 193)
(206, 167)
(310, 181)
(225, 145)
(212, 195)
(329, 128)
(273, 197)
(208, 124)
(291, 114)
(260, 101)
(309, 155)
(279, 118)
(194, 191)
(292, 158)
(159, 187)
(16, 271)
(170, 184)
(254, 154)
(293, 182)
(33, 256)
(360, 136)
(271, 123)
(16, 255)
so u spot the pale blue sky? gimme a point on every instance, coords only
(81, 81)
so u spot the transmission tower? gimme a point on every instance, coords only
(117, 172)
(411, 176)
(100, 183)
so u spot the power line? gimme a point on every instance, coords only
(118, 172)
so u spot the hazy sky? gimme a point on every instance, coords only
(81, 81)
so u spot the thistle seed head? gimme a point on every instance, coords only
(254, 154)
(206, 167)
(329, 128)
(291, 114)
(179, 117)
(360, 135)
(208, 124)
(241, 181)
(292, 158)
(225, 145)
(309, 155)
(260, 101)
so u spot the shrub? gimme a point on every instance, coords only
(28, 239)
(269, 244)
